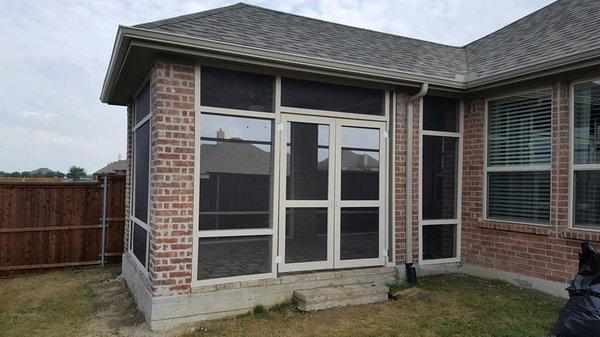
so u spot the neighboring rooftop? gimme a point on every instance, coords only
(116, 167)
(559, 30)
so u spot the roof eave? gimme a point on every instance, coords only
(562, 64)
(126, 34)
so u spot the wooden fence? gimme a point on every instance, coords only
(46, 225)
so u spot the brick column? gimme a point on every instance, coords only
(128, 175)
(171, 178)
(559, 176)
(400, 177)
(472, 178)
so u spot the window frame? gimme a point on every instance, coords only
(520, 168)
(277, 141)
(573, 167)
(458, 204)
(132, 218)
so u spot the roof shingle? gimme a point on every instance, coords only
(560, 29)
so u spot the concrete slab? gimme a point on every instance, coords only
(333, 297)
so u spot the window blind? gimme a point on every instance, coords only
(519, 196)
(519, 130)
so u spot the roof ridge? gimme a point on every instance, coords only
(353, 27)
(186, 17)
(512, 23)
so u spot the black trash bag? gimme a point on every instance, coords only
(580, 317)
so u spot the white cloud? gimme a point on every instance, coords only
(55, 53)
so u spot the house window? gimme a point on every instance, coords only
(518, 158)
(440, 145)
(296, 93)
(141, 163)
(586, 156)
(234, 230)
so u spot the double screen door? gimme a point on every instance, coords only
(332, 189)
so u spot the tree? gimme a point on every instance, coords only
(76, 173)
(50, 174)
(26, 174)
(15, 174)
(59, 174)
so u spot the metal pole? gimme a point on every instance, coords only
(104, 192)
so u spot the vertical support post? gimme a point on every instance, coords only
(103, 246)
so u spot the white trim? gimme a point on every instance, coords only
(520, 168)
(458, 188)
(279, 202)
(576, 167)
(335, 114)
(132, 217)
(391, 200)
(236, 112)
(197, 233)
(441, 133)
(515, 168)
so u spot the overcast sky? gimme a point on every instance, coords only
(54, 54)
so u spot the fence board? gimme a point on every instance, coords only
(49, 224)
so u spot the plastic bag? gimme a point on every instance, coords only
(580, 317)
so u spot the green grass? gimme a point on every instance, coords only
(62, 303)
(57, 303)
(457, 305)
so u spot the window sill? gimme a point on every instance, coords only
(582, 235)
(515, 227)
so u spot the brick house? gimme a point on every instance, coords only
(271, 152)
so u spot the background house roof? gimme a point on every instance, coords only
(563, 28)
(115, 167)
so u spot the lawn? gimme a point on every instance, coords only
(84, 303)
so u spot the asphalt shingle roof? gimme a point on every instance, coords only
(557, 30)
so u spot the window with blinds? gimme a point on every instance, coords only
(586, 164)
(518, 157)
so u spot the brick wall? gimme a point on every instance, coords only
(128, 173)
(544, 252)
(171, 178)
(400, 177)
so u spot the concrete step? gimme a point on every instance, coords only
(333, 297)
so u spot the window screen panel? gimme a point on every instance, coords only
(307, 161)
(305, 235)
(360, 161)
(236, 90)
(359, 233)
(139, 243)
(587, 123)
(142, 157)
(235, 172)
(142, 104)
(233, 256)
(440, 113)
(587, 200)
(439, 177)
(439, 242)
(519, 129)
(519, 196)
(332, 97)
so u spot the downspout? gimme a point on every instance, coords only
(411, 273)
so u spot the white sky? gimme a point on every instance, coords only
(54, 54)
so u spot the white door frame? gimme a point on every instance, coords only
(284, 203)
(333, 202)
(380, 203)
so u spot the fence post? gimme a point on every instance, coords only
(104, 192)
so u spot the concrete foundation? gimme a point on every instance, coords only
(232, 299)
